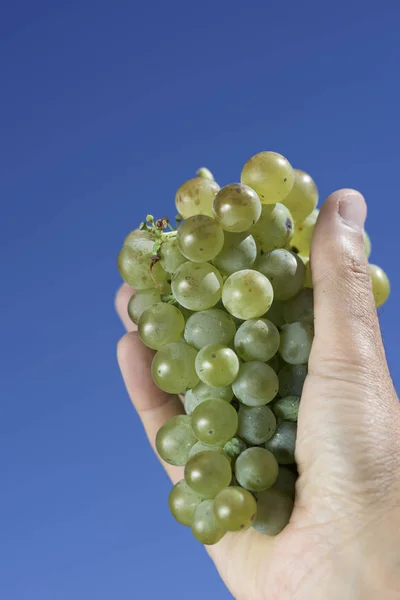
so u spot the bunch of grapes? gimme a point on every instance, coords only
(226, 302)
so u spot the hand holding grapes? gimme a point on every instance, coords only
(342, 539)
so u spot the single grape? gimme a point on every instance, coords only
(170, 255)
(275, 227)
(197, 286)
(380, 285)
(175, 439)
(161, 324)
(256, 384)
(204, 172)
(300, 307)
(234, 447)
(196, 197)
(291, 380)
(141, 300)
(235, 508)
(236, 207)
(270, 175)
(286, 482)
(303, 197)
(257, 339)
(136, 267)
(238, 257)
(173, 368)
(283, 443)
(234, 239)
(302, 237)
(367, 244)
(139, 233)
(286, 409)
(183, 501)
(247, 294)
(213, 326)
(200, 238)
(257, 424)
(296, 342)
(274, 509)
(214, 422)
(275, 313)
(207, 473)
(308, 278)
(256, 469)
(217, 365)
(203, 392)
(205, 526)
(202, 447)
(285, 270)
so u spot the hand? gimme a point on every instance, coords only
(343, 538)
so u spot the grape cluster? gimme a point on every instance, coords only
(226, 302)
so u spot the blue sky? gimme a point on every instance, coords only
(105, 108)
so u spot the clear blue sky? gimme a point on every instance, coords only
(105, 108)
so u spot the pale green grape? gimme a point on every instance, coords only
(213, 326)
(135, 265)
(203, 392)
(247, 294)
(283, 443)
(161, 324)
(173, 368)
(235, 508)
(141, 300)
(270, 175)
(175, 439)
(286, 409)
(202, 447)
(214, 422)
(286, 482)
(275, 363)
(234, 447)
(275, 313)
(200, 238)
(236, 258)
(304, 230)
(236, 207)
(308, 278)
(300, 307)
(285, 270)
(380, 285)
(274, 228)
(367, 244)
(303, 197)
(182, 502)
(207, 473)
(196, 197)
(205, 526)
(197, 286)
(234, 239)
(257, 339)
(296, 342)
(138, 233)
(274, 509)
(204, 172)
(257, 424)
(217, 365)
(256, 384)
(256, 469)
(291, 380)
(170, 255)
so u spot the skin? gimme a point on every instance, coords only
(343, 537)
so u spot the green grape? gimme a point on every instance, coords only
(367, 244)
(196, 197)
(236, 207)
(303, 197)
(213, 326)
(275, 363)
(286, 482)
(197, 286)
(380, 285)
(257, 424)
(141, 300)
(308, 278)
(236, 258)
(235, 508)
(234, 447)
(203, 392)
(275, 313)
(291, 380)
(296, 342)
(234, 239)
(217, 365)
(161, 324)
(257, 339)
(283, 443)
(214, 422)
(204, 172)
(274, 228)
(300, 307)
(202, 447)
(175, 439)
(170, 255)
(205, 526)
(285, 270)
(286, 409)
(302, 237)
(139, 233)
(173, 368)
(135, 265)
(256, 469)
(200, 238)
(247, 294)
(256, 384)
(270, 175)
(274, 509)
(207, 473)
(183, 501)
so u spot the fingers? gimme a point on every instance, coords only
(122, 298)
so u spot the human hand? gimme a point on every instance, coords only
(343, 537)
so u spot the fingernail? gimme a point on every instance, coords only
(353, 210)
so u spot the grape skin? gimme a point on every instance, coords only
(203, 392)
(175, 439)
(183, 502)
(207, 473)
(197, 286)
(256, 469)
(135, 265)
(217, 365)
(256, 424)
(247, 294)
(161, 324)
(291, 380)
(283, 443)
(274, 509)
(257, 339)
(274, 228)
(380, 285)
(285, 270)
(237, 257)
(256, 384)
(141, 300)
(303, 197)
(236, 207)
(213, 326)
(286, 409)
(214, 422)
(296, 342)
(235, 508)
(196, 197)
(200, 238)
(270, 175)
(205, 526)
(173, 368)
